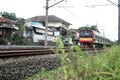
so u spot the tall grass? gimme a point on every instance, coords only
(78, 66)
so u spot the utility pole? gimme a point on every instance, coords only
(118, 18)
(46, 23)
(46, 18)
(118, 21)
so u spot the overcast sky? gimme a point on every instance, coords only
(77, 12)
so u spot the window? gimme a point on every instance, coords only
(86, 34)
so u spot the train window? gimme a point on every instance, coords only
(81, 34)
(85, 34)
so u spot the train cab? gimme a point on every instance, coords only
(92, 39)
(86, 38)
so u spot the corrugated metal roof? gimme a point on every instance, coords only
(12, 27)
(4, 20)
(9, 26)
(51, 18)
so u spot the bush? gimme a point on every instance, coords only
(3, 41)
(20, 40)
(41, 42)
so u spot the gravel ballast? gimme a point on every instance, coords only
(19, 68)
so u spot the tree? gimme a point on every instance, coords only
(87, 27)
(94, 27)
(11, 16)
(18, 38)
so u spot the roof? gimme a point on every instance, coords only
(74, 30)
(51, 18)
(10, 27)
(4, 20)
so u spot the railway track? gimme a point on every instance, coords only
(10, 51)
(25, 52)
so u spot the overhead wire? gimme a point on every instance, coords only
(113, 3)
(71, 13)
(96, 4)
(75, 16)
(93, 6)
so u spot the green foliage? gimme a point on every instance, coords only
(78, 66)
(94, 28)
(87, 27)
(20, 40)
(21, 30)
(11, 16)
(17, 39)
(108, 63)
(3, 41)
(59, 42)
(20, 23)
(116, 42)
(60, 45)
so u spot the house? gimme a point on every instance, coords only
(35, 27)
(75, 35)
(7, 28)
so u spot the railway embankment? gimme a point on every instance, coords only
(18, 68)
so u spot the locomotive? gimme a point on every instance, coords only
(92, 39)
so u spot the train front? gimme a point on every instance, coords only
(86, 38)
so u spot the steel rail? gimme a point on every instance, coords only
(8, 52)
(25, 52)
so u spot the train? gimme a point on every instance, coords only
(92, 39)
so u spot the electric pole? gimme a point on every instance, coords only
(118, 18)
(46, 24)
(118, 21)
(46, 19)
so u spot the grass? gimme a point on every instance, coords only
(78, 66)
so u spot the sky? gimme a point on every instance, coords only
(77, 12)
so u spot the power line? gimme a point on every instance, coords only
(75, 16)
(55, 3)
(99, 5)
(112, 3)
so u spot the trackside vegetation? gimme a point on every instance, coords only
(75, 65)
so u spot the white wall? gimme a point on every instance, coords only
(37, 37)
(55, 24)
